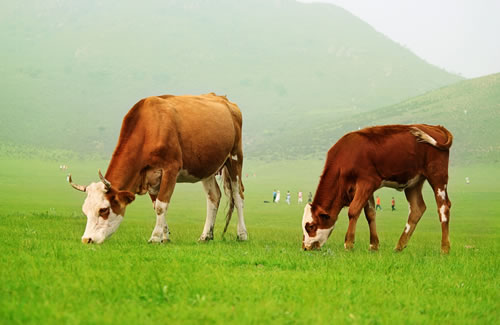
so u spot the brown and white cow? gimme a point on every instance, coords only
(397, 156)
(165, 140)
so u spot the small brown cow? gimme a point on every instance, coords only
(397, 156)
(165, 140)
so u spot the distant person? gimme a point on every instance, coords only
(393, 204)
(467, 180)
(299, 198)
(378, 206)
(277, 197)
(288, 196)
(309, 197)
(274, 196)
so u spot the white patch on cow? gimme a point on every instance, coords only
(98, 229)
(423, 136)
(161, 232)
(235, 158)
(321, 234)
(442, 212)
(371, 204)
(407, 228)
(441, 194)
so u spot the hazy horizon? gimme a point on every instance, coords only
(458, 36)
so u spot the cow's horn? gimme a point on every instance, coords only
(76, 186)
(105, 181)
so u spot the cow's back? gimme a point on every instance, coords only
(200, 131)
(389, 152)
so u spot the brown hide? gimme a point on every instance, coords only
(392, 156)
(192, 134)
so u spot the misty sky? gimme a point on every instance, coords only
(461, 36)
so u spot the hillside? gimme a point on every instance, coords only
(71, 70)
(469, 109)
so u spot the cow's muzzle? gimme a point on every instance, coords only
(87, 240)
(313, 247)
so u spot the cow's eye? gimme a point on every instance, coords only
(310, 227)
(103, 211)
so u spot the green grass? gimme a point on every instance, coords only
(48, 276)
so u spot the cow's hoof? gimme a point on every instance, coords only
(348, 246)
(156, 240)
(373, 247)
(242, 237)
(205, 238)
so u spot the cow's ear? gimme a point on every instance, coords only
(125, 197)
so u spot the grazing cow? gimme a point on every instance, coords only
(397, 156)
(165, 140)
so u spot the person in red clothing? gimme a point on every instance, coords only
(393, 204)
(378, 206)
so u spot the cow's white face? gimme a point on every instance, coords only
(314, 234)
(102, 221)
(104, 209)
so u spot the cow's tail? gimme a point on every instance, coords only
(228, 189)
(425, 137)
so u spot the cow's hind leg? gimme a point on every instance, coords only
(161, 232)
(363, 192)
(417, 208)
(233, 187)
(213, 199)
(370, 214)
(439, 185)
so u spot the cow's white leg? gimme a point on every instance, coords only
(213, 199)
(161, 232)
(238, 202)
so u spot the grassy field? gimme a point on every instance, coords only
(48, 276)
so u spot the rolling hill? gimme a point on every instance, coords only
(71, 70)
(470, 109)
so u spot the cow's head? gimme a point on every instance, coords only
(104, 208)
(317, 226)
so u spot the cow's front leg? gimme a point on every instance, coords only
(363, 192)
(161, 232)
(213, 199)
(370, 214)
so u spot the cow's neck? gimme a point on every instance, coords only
(123, 171)
(327, 194)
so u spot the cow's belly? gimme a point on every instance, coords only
(398, 185)
(185, 177)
